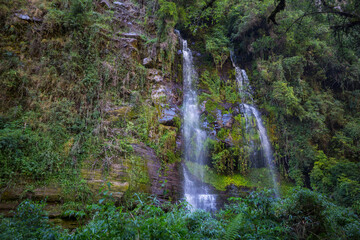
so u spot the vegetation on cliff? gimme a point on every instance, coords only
(90, 93)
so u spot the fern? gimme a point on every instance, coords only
(234, 227)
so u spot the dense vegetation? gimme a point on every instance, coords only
(75, 98)
(305, 74)
(303, 215)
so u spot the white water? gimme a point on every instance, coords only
(249, 111)
(196, 193)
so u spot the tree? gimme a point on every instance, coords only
(347, 13)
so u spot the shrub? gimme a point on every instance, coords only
(29, 222)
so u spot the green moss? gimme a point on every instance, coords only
(218, 181)
(256, 178)
(210, 106)
(177, 122)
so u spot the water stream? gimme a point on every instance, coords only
(250, 111)
(196, 193)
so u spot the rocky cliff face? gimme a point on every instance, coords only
(137, 86)
(97, 86)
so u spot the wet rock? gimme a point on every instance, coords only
(211, 131)
(12, 194)
(229, 141)
(226, 105)
(234, 191)
(225, 120)
(129, 47)
(179, 143)
(168, 117)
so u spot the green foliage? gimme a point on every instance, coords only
(258, 178)
(149, 220)
(257, 219)
(284, 96)
(27, 153)
(212, 82)
(69, 15)
(302, 215)
(338, 179)
(29, 222)
(234, 227)
(167, 17)
(310, 215)
(217, 45)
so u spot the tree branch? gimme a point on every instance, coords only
(346, 15)
(280, 7)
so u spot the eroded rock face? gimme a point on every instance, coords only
(127, 37)
(12, 196)
(154, 76)
(51, 193)
(164, 184)
(117, 177)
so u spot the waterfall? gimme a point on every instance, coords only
(196, 193)
(250, 111)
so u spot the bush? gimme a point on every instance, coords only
(167, 17)
(29, 222)
(27, 153)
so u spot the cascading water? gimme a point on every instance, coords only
(249, 110)
(196, 193)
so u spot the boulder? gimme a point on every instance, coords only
(225, 120)
(168, 117)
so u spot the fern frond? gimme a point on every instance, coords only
(234, 227)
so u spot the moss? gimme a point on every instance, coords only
(177, 123)
(139, 178)
(256, 178)
(223, 133)
(210, 106)
(220, 182)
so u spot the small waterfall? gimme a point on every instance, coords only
(250, 111)
(196, 193)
